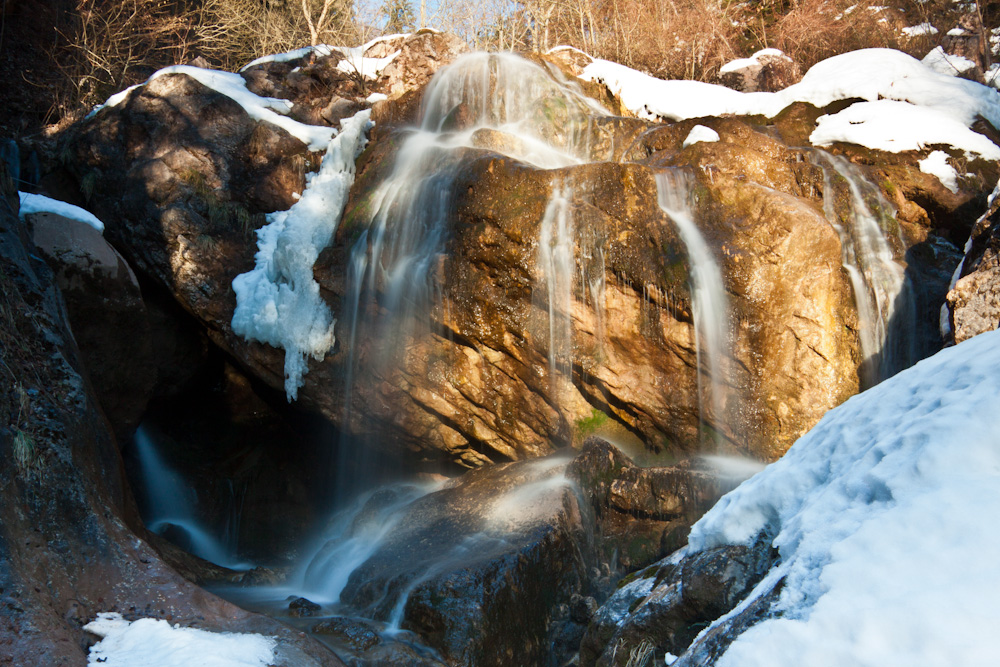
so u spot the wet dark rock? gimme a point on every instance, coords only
(300, 607)
(355, 634)
(261, 576)
(106, 313)
(670, 603)
(70, 540)
(582, 609)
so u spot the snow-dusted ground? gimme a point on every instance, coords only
(278, 301)
(885, 516)
(909, 105)
(155, 643)
(41, 204)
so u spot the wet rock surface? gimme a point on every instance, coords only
(663, 608)
(506, 564)
(107, 315)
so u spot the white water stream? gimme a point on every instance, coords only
(172, 509)
(709, 304)
(882, 297)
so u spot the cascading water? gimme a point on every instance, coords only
(498, 101)
(708, 300)
(170, 508)
(882, 296)
(555, 256)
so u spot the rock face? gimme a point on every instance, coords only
(974, 301)
(499, 565)
(66, 547)
(107, 315)
(495, 367)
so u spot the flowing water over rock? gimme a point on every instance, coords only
(497, 101)
(856, 208)
(708, 301)
(171, 509)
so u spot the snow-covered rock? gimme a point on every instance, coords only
(766, 70)
(882, 518)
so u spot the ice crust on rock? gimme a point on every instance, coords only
(278, 301)
(884, 519)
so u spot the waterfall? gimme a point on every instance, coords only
(882, 296)
(171, 508)
(555, 257)
(708, 301)
(497, 101)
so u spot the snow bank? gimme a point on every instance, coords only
(270, 109)
(897, 126)
(884, 516)
(927, 97)
(700, 133)
(155, 643)
(278, 301)
(42, 204)
(936, 164)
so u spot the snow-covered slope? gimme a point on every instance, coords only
(885, 516)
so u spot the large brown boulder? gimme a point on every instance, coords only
(480, 383)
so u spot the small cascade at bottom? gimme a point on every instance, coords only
(171, 509)
(709, 304)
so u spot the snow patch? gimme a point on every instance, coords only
(155, 643)
(884, 520)
(700, 133)
(936, 164)
(947, 63)
(920, 29)
(278, 301)
(894, 126)
(41, 204)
